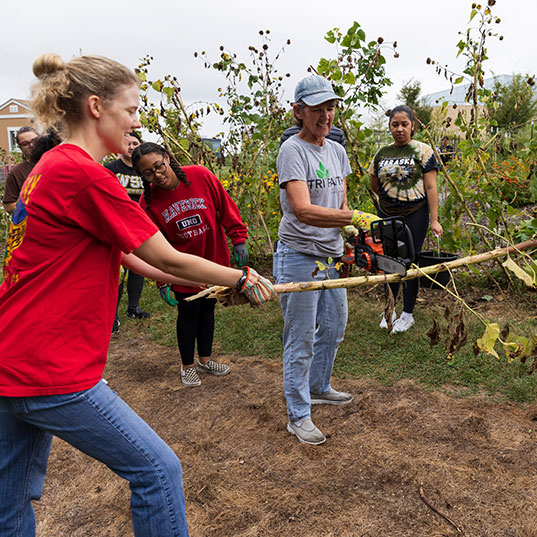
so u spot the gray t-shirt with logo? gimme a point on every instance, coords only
(324, 169)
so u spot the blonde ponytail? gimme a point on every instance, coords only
(48, 63)
(59, 93)
(51, 89)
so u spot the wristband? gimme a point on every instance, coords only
(242, 279)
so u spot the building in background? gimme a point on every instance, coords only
(456, 96)
(14, 114)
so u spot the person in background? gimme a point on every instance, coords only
(6, 166)
(128, 177)
(403, 175)
(335, 134)
(311, 172)
(445, 150)
(25, 139)
(41, 145)
(44, 143)
(73, 226)
(194, 212)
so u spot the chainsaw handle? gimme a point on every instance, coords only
(411, 250)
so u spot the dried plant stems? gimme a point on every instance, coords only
(374, 279)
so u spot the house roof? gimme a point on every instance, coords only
(24, 103)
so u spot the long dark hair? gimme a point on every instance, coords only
(150, 147)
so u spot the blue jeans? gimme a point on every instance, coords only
(100, 424)
(314, 326)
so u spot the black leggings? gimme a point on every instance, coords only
(195, 322)
(135, 284)
(418, 223)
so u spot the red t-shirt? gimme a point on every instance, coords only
(196, 218)
(61, 271)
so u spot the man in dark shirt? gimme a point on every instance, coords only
(25, 139)
(128, 177)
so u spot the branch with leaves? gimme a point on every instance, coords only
(514, 346)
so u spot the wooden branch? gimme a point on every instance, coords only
(375, 279)
(438, 512)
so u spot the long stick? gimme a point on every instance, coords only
(372, 279)
(410, 275)
(437, 511)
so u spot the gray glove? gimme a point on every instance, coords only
(240, 254)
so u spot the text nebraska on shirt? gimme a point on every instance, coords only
(192, 204)
(401, 161)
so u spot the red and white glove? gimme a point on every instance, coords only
(257, 289)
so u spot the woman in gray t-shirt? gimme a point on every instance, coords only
(312, 171)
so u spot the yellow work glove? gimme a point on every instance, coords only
(363, 220)
(349, 231)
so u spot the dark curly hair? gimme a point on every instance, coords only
(145, 149)
(44, 143)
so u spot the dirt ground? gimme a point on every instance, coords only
(399, 461)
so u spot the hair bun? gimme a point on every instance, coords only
(48, 63)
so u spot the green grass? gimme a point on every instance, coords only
(367, 351)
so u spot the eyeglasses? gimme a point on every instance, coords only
(26, 144)
(159, 168)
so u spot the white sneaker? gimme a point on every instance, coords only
(403, 323)
(384, 322)
(331, 397)
(306, 432)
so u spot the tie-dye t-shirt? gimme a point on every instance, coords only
(400, 170)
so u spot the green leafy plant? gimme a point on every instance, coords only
(256, 117)
(482, 191)
(358, 75)
(410, 96)
(177, 125)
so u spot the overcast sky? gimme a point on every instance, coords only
(172, 30)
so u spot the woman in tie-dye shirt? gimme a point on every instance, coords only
(403, 175)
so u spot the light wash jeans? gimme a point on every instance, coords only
(100, 424)
(314, 326)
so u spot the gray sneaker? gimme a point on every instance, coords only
(214, 368)
(306, 432)
(190, 377)
(331, 397)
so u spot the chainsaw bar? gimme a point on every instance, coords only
(390, 265)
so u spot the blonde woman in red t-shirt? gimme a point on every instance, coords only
(72, 227)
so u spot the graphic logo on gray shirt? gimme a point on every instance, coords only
(322, 172)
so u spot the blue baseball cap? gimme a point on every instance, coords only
(314, 90)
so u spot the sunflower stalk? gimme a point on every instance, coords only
(375, 279)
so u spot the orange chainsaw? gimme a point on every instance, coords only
(386, 247)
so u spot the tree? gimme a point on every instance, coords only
(410, 95)
(512, 104)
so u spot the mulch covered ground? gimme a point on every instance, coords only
(399, 461)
